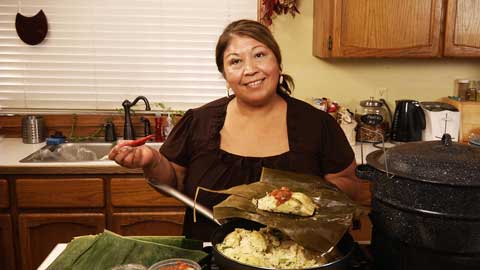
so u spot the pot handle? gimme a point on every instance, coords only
(183, 198)
(368, 172)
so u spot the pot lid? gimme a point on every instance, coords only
(440, 162)
(371, 103)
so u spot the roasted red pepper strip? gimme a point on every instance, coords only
(137, 142)
(281, 195)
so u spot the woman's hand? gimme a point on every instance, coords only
(133, 157)
(357, 189)
(154, 165)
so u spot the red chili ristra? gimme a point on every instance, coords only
(137, 142)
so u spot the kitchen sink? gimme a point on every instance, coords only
(74, 152)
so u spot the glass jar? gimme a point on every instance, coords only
(471, 94)
(373, 121)
(461, 86)
(478, 90)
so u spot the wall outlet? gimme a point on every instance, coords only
(381, 92)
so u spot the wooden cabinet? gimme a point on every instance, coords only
(135, 193)
(149, 223)
(469, 117)
(377, 28)
(462, 30)
(54, 210)
(391, 28)
(67, 192)
(40, 232)
(7, 255)
(44, 210)
(4, 198)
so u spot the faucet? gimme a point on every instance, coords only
(128, 130)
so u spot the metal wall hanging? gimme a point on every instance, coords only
(32, 30)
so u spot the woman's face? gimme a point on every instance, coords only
(251, 70)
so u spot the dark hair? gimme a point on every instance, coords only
(259, 32)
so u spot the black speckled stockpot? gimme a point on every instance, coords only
(425, 206)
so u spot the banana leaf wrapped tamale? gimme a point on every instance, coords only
(333, 214)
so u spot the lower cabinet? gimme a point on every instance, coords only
(4, 198)
(7, 256)
(39, 233)
(155, 223)
(140, 210)
(51, 209)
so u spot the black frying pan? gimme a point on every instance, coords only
(346, 245)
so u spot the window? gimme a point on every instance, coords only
(98, 53)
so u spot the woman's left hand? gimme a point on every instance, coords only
(357, 189)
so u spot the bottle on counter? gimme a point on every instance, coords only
(471, 94)
(461, 86)
(159, 128)
(478, 91)
(167, 127)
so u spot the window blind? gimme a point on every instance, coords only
(98, 53)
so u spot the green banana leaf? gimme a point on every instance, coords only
(107, 250)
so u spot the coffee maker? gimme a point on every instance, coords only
(408, 121)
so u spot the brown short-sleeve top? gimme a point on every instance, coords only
(317, 145)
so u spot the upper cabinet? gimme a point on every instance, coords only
(462, 28)
(392, 28)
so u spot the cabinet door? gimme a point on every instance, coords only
(135, 192)
(4, 198)
(462, 30)
(149, 223)
(377, 28)
(62, 192)
(6, 243)
(39, 233)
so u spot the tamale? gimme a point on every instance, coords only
(321, 231)
(284, 201)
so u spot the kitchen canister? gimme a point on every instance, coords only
(33, 129)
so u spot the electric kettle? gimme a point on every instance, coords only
(408, 121)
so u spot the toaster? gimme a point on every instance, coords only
(440, 118)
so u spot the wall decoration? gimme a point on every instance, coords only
(271, 8)
(32, 30)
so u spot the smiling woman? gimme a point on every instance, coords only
(97, 54)
(227, 142)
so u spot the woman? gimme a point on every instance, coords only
(226, 142)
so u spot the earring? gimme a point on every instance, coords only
(228, 91)
(280, 80)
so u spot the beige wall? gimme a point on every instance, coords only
(351, 80)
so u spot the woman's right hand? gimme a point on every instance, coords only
(134, 157)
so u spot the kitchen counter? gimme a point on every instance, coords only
(13, 150)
